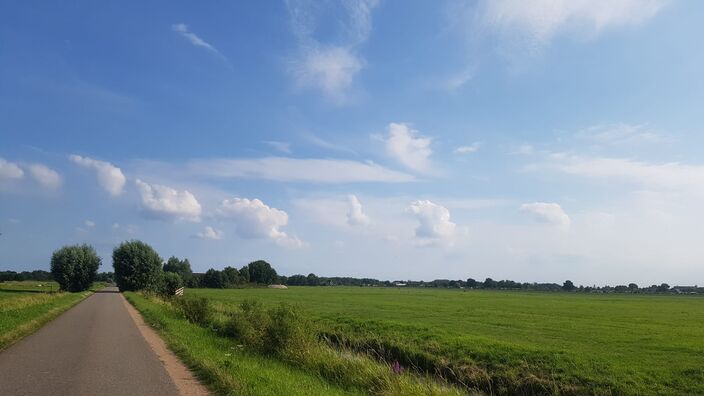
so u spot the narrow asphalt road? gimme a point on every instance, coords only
(92, 349)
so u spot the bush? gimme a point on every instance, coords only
(75, 267)
(281, 331)
(196, 309)
(170, 281)
(248, 324)
(287, 332)
(137, 266)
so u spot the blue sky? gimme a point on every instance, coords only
(535, 141)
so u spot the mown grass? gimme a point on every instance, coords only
(512, 342)
(26, 306)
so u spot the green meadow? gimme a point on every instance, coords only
(27, 305)
(506, 342)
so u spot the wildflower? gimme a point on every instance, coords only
(396, 368)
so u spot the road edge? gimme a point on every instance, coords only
(186, 383)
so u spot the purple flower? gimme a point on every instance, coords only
(396, 368)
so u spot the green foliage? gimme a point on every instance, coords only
(213, 279)
(261, 272)
(75, 267)
(137, 266)
(181, 267)
(170, 281)
(282, 330)
(244, 274)
(231, 276)
(288, 332)
(197, 310)
(248, 324)
(568, 286)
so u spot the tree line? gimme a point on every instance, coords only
(137, 266)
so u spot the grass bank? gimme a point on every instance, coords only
(27, 306)
(511, 342)
(234, 354)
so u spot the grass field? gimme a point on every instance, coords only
(512, 342)
(28, 305)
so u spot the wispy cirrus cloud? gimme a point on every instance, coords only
(674, 176)
(620, 133)
(531, 25)
(183, 30)
(329, 67)
(297, 170)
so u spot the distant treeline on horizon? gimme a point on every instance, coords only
(231, 277)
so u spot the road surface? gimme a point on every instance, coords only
(94, 348)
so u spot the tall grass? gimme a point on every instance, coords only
(285, 334)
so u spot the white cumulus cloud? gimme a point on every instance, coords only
(45, 176)
(408, 147)
(10, 170)
(166, 202)
(434, 219)
(209, 233)
(110, 177)
(355, 215)
(547, 212)
(254, 220)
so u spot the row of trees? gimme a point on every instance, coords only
(38, 275)
(139, 267)
(259, 272)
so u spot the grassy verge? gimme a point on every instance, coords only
(22, 313)
(220, 363)
(25, 306)
(273, 352)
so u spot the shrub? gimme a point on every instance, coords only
(170, 281)
(75, 267)
(137, 266)
(287, 332)
(196, 309)
(281, 331)
(248, 324)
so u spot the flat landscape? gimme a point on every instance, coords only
(507, 341)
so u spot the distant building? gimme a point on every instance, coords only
(684, 289)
